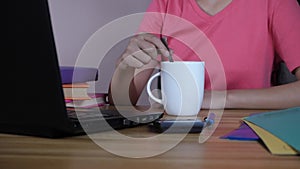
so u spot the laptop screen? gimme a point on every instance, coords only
(38, 107)
(38, 95)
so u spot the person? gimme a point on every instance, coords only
(249, 37)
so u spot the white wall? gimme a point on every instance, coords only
(74, 21)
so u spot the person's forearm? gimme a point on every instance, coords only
(119, 86)
(127, 84)
(277, 97)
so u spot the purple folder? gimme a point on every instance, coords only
(71, 74)
(244, 132)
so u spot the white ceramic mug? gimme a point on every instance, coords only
(182, 87)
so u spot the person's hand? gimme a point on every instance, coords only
(141, 50)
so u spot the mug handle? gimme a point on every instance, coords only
(149, 89)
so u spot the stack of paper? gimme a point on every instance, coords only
(279, 130)
(76, 91)
(97, 100)
(76, 84)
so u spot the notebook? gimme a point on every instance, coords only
(38, 105)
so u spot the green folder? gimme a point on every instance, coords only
(283, 124)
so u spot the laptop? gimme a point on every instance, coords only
(38, 106)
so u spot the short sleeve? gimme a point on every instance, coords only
(285, 25)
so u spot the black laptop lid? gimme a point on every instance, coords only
(38, 97)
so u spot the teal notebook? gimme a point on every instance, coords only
(284, 124)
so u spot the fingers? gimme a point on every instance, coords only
(141, 50)
(158, 43)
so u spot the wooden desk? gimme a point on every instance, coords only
(22, 152)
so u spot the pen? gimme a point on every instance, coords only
(209, 120)
(165, 42)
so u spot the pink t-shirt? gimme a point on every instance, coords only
(238, 44)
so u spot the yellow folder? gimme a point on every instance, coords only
(278, 129)
(275, 145)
